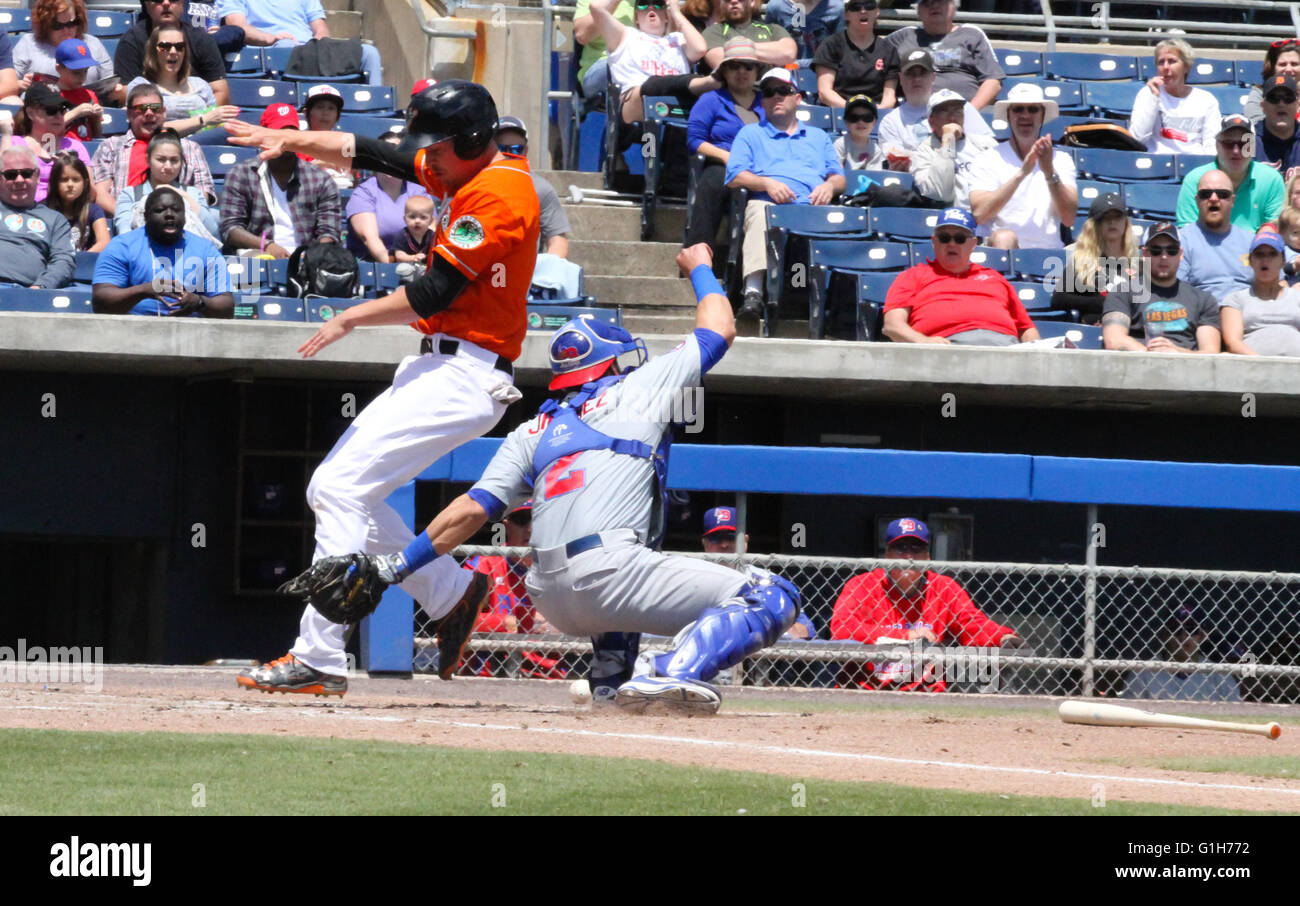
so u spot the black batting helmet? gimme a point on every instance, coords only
(455, 109)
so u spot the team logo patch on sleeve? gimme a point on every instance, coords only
(466, 232)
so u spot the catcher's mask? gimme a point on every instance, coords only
(582, 349)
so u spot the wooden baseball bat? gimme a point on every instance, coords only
(1099, 714)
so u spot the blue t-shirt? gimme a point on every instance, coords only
(292, 16)
(713, 120)
(802, 160)
(1215, 262)
(133, 258)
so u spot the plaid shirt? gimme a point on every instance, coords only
(314, 205)
(112, 163)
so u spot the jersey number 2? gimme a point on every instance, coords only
(558, 482)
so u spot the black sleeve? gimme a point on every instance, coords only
(128, 63)
(437, 289)
(372, 154)
(208, 64)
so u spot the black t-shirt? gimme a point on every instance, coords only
(205, 58)
(858, 70)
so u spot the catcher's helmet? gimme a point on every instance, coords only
(461, 111)
(582, 349)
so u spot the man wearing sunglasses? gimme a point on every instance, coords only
(1169, 315)
(856, 61)
(781, 161)
(1258, 190)
(1214, 249)
(963, 57)
(1277, 141)
(512, 138)
(205, 56)
(949, 300)
(35, 242)
(772, 44)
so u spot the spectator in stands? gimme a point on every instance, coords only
(201, 49)
(720, 538)
(8, 77)
(1259, 191)
(772, 43)
(1263, 318)
(85, 117)
(886, 605)
(1293, 192)
(781, 161)
(1024, 189)
(701, 13)
(512, 138)
(941, 167)
(275, 206)
(715, 120)
(1170, 116)
(1277, 141)
(35, 242)
(593, 65)
(649, 60)
(162, 268)
(810, 22)
(121, 161)
(229, 38)
(855, 148)
(1105, 256)
(1182, 639)
(1169, 315)
(1215, 250)
(1288, 225)
(963, 57)
(948, 299)
(1282, 58)
(72, 194)
(907, 126)
(376, 212)
(42, 126)
(35, 54)
(190, 105)
(856, 60)
(412, 245)
(165, 161)
(288, 23)
(322, 109)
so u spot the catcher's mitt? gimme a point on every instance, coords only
(344, 589)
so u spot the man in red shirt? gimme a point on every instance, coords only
(949, 300)
(909, 604)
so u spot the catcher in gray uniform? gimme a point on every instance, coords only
(594, 462)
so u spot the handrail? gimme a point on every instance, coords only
(432, 32)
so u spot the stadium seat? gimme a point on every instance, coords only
(262, 93)
(1001, 129)
(1204, 72)
(1019, 62)
(806, 81)
(69, 300)
(369, 125)
(222, 158)
(1112, 99)
(996, 259)
(1084, 336)
(821, 117)
(1090, 67)
(321, 310)
(84, 271)
(15, 20)
(860, 181)
(1152, 200)
(1232, 98)
(1090, 190)
(791, 226)
(1036, 265)
(247, 63)
(552, 318)
(114, 121)
(92, 145)
(1186, 163)
(110, 46)
(270, 308)
(376, 100)
(870, 304)
(1068, 95)
(366, 278)
(248, 275)
(277, 275)
(837, 260)
(1123, 166)
(277, 59)
(1037, 299)
(1249, 72)
(107, 23)
(903, 224)
(659, 115)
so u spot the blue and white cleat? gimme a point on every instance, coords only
(681, 696)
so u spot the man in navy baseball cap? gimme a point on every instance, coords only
(720, 531)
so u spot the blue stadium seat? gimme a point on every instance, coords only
(92, 145)
(110, 46)
(1001, 129)
(806, 81)
(321, 310)
(270, 308)
(1123, 166)
(551, 318)
(1152, 200)
(248, 274)
(1068, 95)
(69, 300)
(1250, 72)
(996, 259)
(1232, 98)
(1112, 99)
(903, 223)
(107, 23)
(1186, 163)
(1088, 335)
(247, 63)
(366, 278)
(821, 117)
(222, 158)
(262, 93)
(377, 100)
(787, 224)
(1033, 265)
(369, 125)
(114, 121)
(386, 278)
(1091, 67)
(1204, 72)
(1019, 62)
(870, 298)
(277, 59)
(861, 180)
(1090, 190)
(15, 20)
(84, 272)
(277, 275)
(835, 260)
(1037, 299)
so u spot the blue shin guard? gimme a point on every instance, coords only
(725, 635)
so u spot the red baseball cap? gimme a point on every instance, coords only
(421, 85)
(280, 116)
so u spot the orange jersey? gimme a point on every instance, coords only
(488, 232)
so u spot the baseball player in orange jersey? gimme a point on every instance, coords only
(471, 306)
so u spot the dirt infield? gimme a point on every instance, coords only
(1010, 746)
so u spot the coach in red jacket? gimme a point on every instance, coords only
(949, 300)
(910, 604)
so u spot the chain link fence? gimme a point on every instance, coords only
(1129, 633)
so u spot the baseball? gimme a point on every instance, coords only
(580, 692)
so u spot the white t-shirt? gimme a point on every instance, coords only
(640, 56)
(1170, 125)
(283, 233)
(906, 127)
(1029, 212)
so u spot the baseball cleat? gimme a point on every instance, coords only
(454, 628)
(288, 674)
(684, 696)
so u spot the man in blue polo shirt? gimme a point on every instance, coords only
(159, 269)
(781, 161)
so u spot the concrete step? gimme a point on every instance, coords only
(624, 259)
(642, 292)
(343, 23)
(623, 224)
(336, 6)
(562, 179)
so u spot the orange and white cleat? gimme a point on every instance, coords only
(288, 674)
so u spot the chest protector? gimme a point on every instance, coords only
(567, 434)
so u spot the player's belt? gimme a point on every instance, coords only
(554, 558)
(582, 545)
(451, 347)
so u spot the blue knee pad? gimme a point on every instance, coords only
(723, 636)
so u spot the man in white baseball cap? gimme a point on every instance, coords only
(941, 165)
(1024, 189)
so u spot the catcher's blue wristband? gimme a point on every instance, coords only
(417, 554)
(705, 282)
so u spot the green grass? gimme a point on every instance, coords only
(1275, 766)
(59, 772)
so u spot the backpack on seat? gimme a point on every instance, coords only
(324, 269)
(327, 57)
